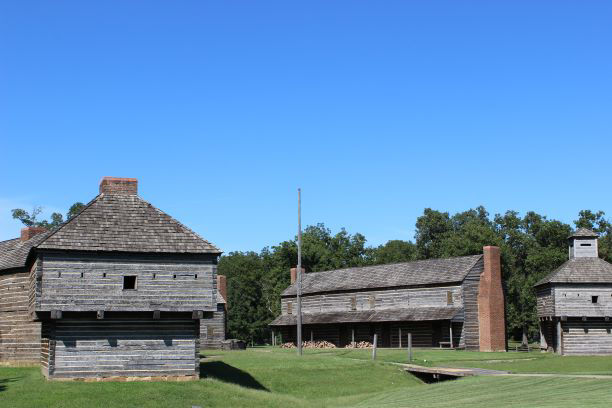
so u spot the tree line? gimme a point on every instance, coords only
(531, 247)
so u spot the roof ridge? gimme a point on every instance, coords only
(401, 263)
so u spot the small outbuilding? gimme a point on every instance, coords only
(575, 301)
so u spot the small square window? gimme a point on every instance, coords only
(104, 275)
(289, 308)
(449, 297)
(353, 303)
(129, 282)
(594, 299)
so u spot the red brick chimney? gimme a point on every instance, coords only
(118, 185)
(491, 321)
(294, 274)
(29, 232)
(222, 287)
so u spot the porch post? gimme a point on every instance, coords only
(559, 338)
(400, 337)
(450, 325)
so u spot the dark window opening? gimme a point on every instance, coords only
(585, 244)
(173, 276)
(59, 274)
(594, 299)
(129, 282)
(104, 275)
(81, 274)
(154, 275)
(195, 276)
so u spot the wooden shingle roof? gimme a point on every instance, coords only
(126, 223)
(584, 233)
(385, 315)
(425, 272)
(14, 252)
(580, 270)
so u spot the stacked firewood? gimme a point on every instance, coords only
(319, 344)
(287, 345)
(311, 344)
(359, 345)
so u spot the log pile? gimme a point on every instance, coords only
(359, 345)
(319, 344)
(311, 345)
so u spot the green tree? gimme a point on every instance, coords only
(30, 219)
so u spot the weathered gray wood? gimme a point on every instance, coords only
(470, 338)
(121, 347)
(409, 347)
(91, 283)
(374, 345)
(212, 330)
(392, 298)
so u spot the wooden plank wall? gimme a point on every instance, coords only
(587, 337)
(575, 300)
(471, 331)
(19, 334)
(79, 283)
(212, 330)
(392, 298)
(87, 347)
(545, 301)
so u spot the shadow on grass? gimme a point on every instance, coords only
(226, 373)
(4, 381)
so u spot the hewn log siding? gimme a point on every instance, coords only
(587, 337)
(72, 283)
(391, 298)
(575, 300)
(212, 330)
(471, 332)
(545, 301)
(88, 347)
(19, 335)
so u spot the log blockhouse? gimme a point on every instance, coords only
(574, 301)
(120, 290)
(455, 302)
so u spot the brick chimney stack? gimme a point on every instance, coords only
(118, 185)
(222, 287)
(294, 274)
(29, 232)
(491, 319)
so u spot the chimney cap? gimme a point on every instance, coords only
(119, 185)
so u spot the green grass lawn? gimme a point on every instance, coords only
(264, 377)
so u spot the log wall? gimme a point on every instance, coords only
(545, 301)
(120, 347)
(392, 298)
(19, 334)
(470, 338)
(212, 330)
(587, 337)
(576, 300)
(90, 283)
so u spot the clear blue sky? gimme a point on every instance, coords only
(377, 109)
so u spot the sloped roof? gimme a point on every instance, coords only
(580, 270)
(387, 315)
(584, 233)
(426, 272)
(14, 252)
(127, 223)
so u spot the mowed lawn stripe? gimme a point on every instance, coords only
(476, 392)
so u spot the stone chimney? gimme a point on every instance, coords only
(294, 274)
(491, 319)
(118, 185)
(222, 287)
(29, 232)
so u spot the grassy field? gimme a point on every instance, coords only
(265, 377)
